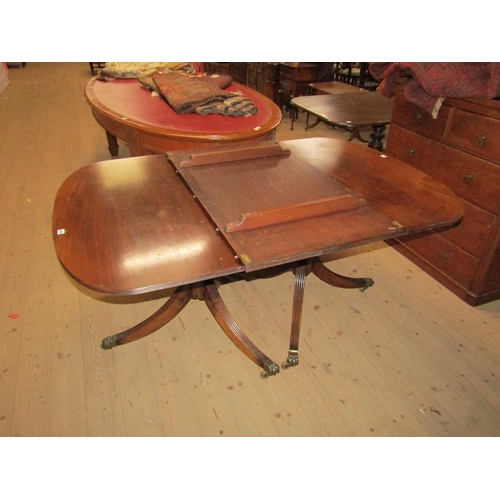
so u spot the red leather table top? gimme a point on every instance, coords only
(129, 101)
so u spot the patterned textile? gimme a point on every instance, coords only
(113, 70)
(185, 94)
(202, 94)
(234, 106)
(428, 84)
(220, 81)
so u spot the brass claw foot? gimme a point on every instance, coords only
(291, 360)
(368, 283)
(109, 342)
(270, 368)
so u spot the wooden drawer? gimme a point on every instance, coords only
(475, 133)
(473, 231)
(412, 117)
(448, 258)
(474, 179)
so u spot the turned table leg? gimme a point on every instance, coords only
(113, 147)
(376, 137)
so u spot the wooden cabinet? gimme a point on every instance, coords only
(280, 82)
(263, 77)
(217, 68)
(294, 80)
(461, 148)
(238, 71)
(260, 76)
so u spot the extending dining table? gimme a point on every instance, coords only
(351, 111)
(149, 125)
(190, 221)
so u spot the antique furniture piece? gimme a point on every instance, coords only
(294, 80)
(190, 220)
(148, 124)
(260, 76)
(355, 74)
(96, 66)
(325, 88)
(351, 111)
(460, 148)
(263, 77)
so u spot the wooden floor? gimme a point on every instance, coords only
(404, 358)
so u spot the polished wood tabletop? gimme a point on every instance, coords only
(188, 220)
(322, 88)
(352, 111)
(128, 111)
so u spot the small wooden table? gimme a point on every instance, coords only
(127, 111)
(350, 111)
(192, 220)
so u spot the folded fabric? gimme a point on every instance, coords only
(202, 95)
(113, 70)
(220, 81)
(428, 84)
(234, 106)
(185, 94)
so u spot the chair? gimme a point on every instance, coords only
(356, 74)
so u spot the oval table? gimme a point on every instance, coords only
(128, 111)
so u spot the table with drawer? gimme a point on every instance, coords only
(461, 148)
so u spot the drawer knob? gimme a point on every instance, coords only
(445, 257)
(418, 117)
(411, 152)
(468, 178)
(481, 140)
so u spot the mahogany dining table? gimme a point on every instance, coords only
(148, 124)
(189, 221)
(351, 111)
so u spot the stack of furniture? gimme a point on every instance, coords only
(461, 148)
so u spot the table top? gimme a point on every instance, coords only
(336, 88)
(128, 102)
(348, 109)
(132, 225)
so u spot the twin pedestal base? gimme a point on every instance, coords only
(209, 293)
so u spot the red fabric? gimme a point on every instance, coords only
(426, 84)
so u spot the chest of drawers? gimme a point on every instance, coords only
(461, 148)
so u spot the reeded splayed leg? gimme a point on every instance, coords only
(301, 273)
(174, 305)
(334, 279)
(222, 315)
